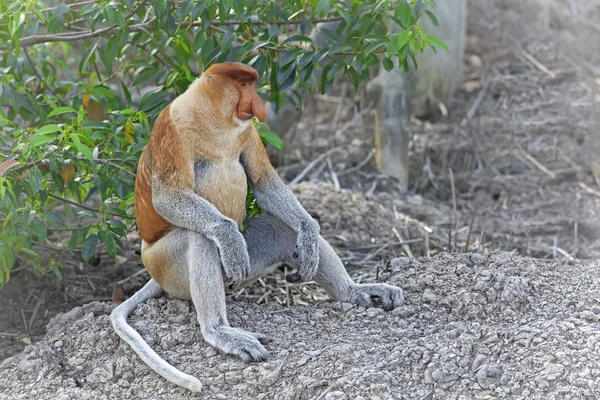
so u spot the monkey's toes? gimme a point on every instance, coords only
(246, 345)
(377, 295)
(261, 338)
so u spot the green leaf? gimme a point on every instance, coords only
(388, 64)
(343, 13)
(145, 76)
(256, 45)
(38, 140)
(30, 252)
(153, 99)
(438, 42)
(418, 9)
(373, 46)
(82, 147)
(46, 129)
(104, 91)
(404, 13)
(297, 38)
(432, 18)
(284, 73)
(354, 77)
(324, 80)
(108, 240)
(392, 46)
(109, 53)
(87, 55)
(334, 70)
(322, 7)
(61, 110)
(40, 230)
(305, 59)
(54, 218)
(272, 138)
(403, 37)
(74, 240)
(306, 72)
(89, 247)
(338, 48)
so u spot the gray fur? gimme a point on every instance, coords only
(275, 198)
(118, 317)
(208, 295)
(271, 242)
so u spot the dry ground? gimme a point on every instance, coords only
(473, 326)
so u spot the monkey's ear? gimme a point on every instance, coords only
(235, 70)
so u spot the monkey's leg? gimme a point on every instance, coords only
(271, 242)
(208, 294)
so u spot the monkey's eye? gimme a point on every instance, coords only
(243, 83)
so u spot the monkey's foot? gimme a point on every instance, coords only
(376, 295)
(246, 345)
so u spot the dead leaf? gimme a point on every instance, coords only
(118, 296)
(94, 109)
(68, 172)
(6, 166)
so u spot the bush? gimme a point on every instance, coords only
(82, 83)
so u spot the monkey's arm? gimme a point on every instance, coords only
(274, 197)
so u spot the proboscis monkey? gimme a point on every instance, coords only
(190, 201)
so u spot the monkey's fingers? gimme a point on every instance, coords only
(377, 295)
(293, 278)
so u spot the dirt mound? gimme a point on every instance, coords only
(348, 217)
(473, 326)
(357, 227)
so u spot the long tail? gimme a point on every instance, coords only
(118, 317)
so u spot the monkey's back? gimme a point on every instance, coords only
(151, 225)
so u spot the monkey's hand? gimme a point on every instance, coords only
(381, 295)
(307, 252)
(233, 250)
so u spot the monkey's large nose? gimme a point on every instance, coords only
(258, 109)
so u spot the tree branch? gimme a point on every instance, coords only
(40, 77)
(85, 207)
(76, 36)
(147, 26)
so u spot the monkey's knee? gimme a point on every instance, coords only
(167, 263)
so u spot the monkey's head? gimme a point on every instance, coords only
(232, 88)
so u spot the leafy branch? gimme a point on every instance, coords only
(81, 85)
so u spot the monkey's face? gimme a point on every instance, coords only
(232, 89)
(239, 102)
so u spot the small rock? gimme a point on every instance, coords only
(478, 361)
(588, 316)
(373, 312)
(429, 296)
(552, 371)
(488, 375)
